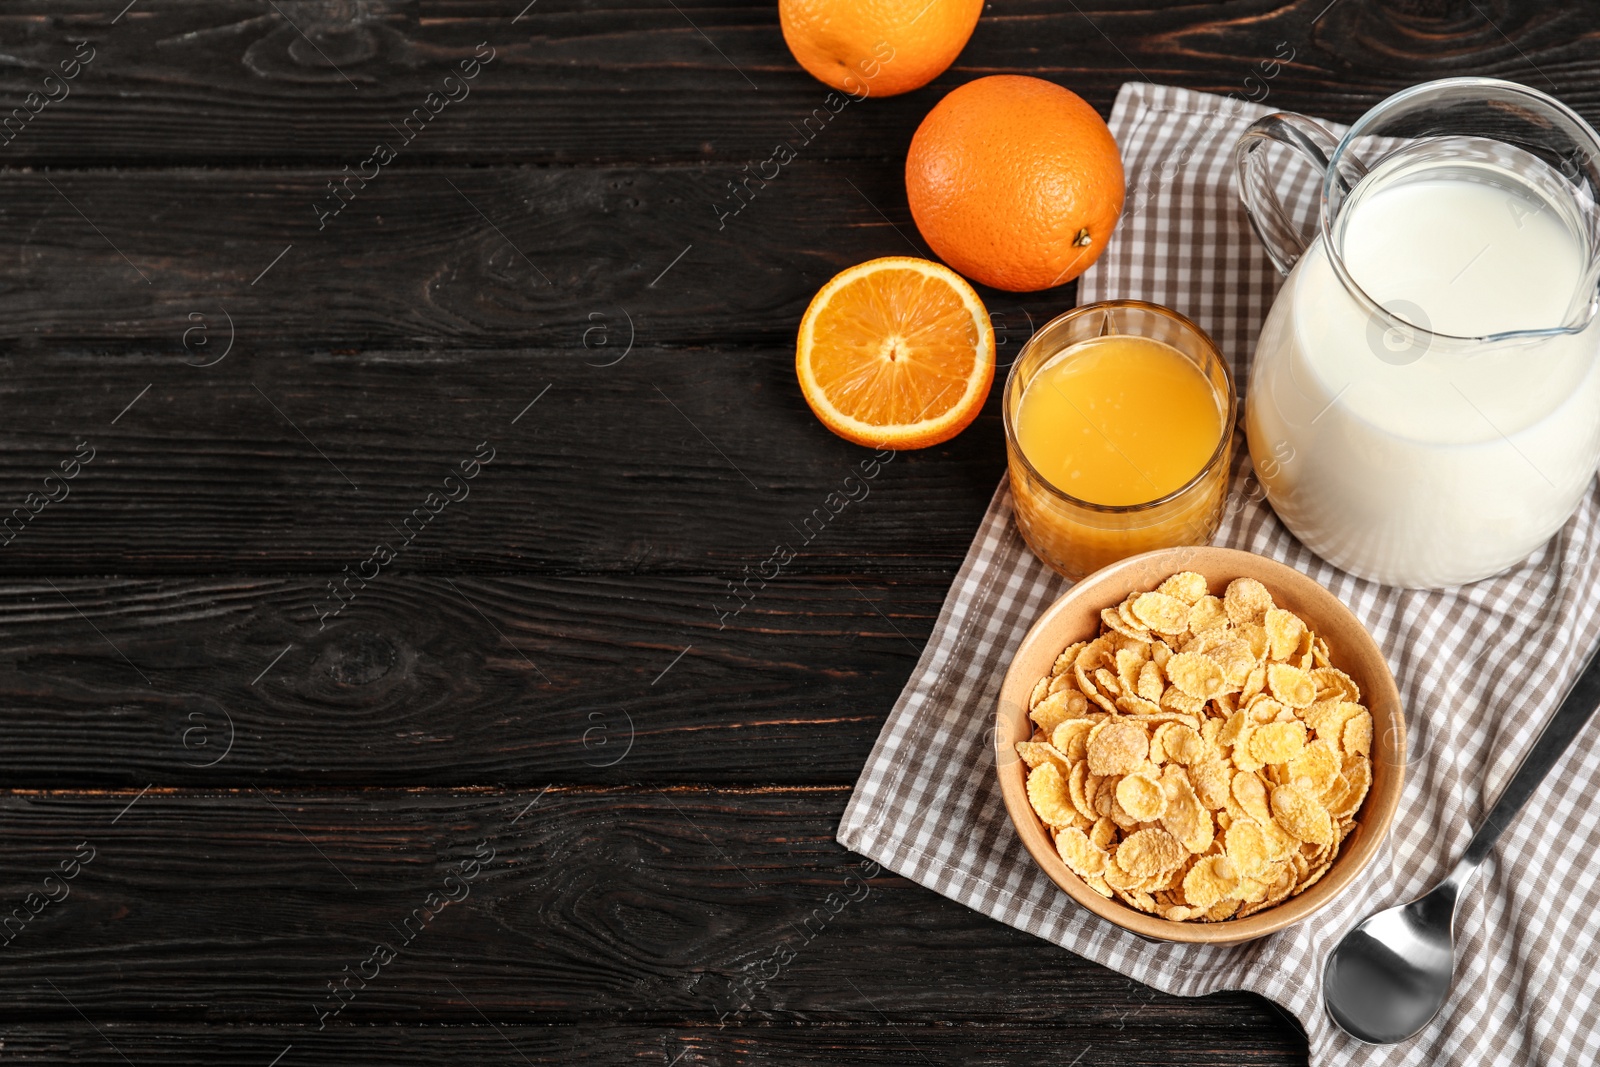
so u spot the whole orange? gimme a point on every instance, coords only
(1015, 182)
(877, 47)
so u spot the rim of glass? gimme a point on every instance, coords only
(1361, 128)
(1223, 439)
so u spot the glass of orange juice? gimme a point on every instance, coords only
(1119, 435)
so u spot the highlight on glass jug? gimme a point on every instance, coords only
(1424, 404)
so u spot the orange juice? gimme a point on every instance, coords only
(1119, 435)
(1119, 420)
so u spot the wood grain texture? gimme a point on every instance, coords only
(287, 462)
(464, 681)
(230, 82)
(668, 907)
(1211, 1038)
(443, 258)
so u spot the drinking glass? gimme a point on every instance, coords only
(1075, 537)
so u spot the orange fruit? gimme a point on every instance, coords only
(877, 47)
(1015, 182)
(896, 353)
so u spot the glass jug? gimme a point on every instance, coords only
(1424, 404)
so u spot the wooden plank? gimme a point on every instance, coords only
(677, 907)
(1152, 1039)
(286, 461)
(230, 82)
(173, 264)
(451, 681)
(374, 350)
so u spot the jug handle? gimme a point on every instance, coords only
(1284, 241)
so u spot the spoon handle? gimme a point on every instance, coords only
(1580, 702)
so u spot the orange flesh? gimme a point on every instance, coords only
(894, 347)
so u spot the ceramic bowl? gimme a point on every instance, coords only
(1076, 617)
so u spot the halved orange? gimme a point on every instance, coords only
(896, 353)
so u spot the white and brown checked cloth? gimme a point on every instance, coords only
(1480, 669)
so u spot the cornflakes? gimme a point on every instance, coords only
(1201, 758)
(1185, 817)
(1147, 853)
(1207, 613)
(1235, 660)
(1284, 630)
(1184, 745)
(1333, 680)
(1071, 738)
(1209, 881)
(1115, 622)
(1278, 742)
(1161, 613)
(1178, 700)
(1035, 753)
(1142, 797)
(1251, 796)
(1358, 735)
(1128, 664)
(1150, 685)
(1057, 708)
(1246, 846)
(1137, 706)
(1315, 768)
(1291, 685)
(1299, 813)
(1194, 674)
(1067, 658)
(1079, 853)
(1047, 792)
(1211, 783)
(1246, 600)
(1117, 747)
(1327, 718)
(1186, 586)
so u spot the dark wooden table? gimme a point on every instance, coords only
(517, 747)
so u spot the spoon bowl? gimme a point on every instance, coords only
(1390, 976)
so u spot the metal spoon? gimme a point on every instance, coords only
(1389, 977)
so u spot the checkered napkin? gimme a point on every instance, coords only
(1480, 669)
